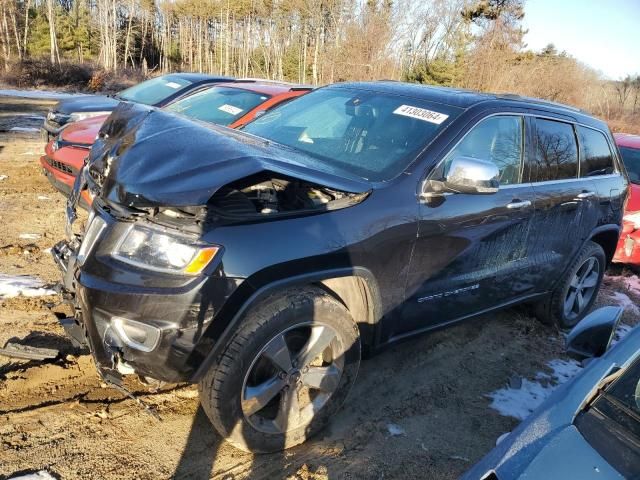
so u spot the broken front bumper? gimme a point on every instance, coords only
(107, 294)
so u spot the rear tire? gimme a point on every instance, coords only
(266, 393)
(575, 293)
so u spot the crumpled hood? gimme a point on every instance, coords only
(146, 157)
(86, 103)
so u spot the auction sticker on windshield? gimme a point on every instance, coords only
(173, 85)
(230, 109)
(421, 114)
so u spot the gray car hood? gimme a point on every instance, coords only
(567, 455)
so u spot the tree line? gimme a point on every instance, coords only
(476, 44)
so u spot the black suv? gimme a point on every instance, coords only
(263, 263)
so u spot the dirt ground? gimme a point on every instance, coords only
(56, 415)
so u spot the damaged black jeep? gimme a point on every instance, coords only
(262, 264)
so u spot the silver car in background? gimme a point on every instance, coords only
(590, 427)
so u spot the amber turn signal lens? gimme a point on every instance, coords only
(201, 260)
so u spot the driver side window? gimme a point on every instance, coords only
(496, 139)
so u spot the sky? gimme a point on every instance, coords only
(604, 34)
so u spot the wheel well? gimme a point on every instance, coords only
(608, 240)
(360, 299)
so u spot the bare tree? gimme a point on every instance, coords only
(53, 40)
(623, 89)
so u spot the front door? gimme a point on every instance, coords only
(468, 241)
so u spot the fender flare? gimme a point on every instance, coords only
(617, 229)
(228, 327)
(596, 231)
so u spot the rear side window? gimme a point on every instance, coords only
(631, 159)
(596, 158)
(498, 140)
(556, 151)
(155, 90)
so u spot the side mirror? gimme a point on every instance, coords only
(592, 337)
(471, 175)
(465, 175)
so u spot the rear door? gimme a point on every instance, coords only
(471, 248)
(597, 164)
(566, 209)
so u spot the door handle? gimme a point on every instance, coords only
(516, 204)
(583, 195)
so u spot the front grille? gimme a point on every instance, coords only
(63, 167)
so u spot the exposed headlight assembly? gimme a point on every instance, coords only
(162, 251)
(77, 116)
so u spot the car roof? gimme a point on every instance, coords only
(265, 88)
(465, 99)
(445, 95)
(198, 77)
(627, 140)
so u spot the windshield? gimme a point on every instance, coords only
(368, 134)
(631, 159)
(626, 390)
(154, 91)
(219, 105)
(611, 422)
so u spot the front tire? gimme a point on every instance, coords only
(285, 372)
(576, 291)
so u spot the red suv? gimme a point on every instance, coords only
(628, 250)
(232, 104)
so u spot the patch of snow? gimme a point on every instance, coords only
(15, 285)
(3, 177)
(30, 236)
(620, 333)
(625, 302)
(29, 116)
(24, 129)
(41, 475)
(563, 370)
(395, 430)
(10, 92)
(520, 402)
(458, 457)
(631, 282)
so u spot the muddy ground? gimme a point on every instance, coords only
(56, 415)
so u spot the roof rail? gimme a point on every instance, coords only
(539, 101)
(264, 80)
